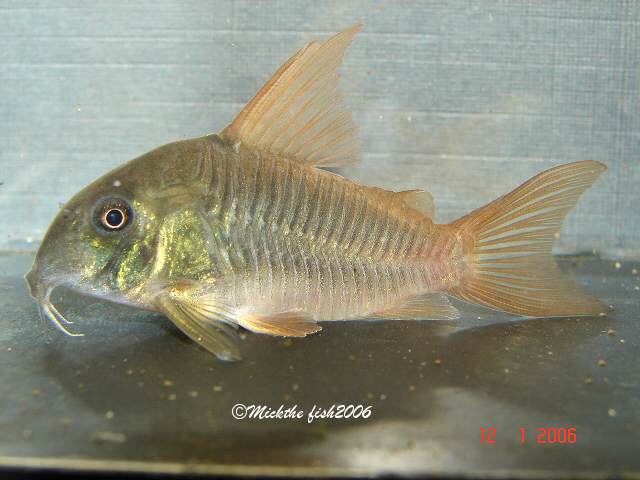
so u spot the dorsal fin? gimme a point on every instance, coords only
(300, 113)
(417, 200)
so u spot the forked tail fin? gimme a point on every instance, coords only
(510, 266)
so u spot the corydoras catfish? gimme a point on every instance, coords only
(246, 229)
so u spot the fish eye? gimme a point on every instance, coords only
(114, 218)
(112, 214)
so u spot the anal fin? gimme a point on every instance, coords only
(204, 320)
(432, 306)
(286, 324)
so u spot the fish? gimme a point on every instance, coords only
(248, 229)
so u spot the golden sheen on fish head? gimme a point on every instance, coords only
(102, 242)
(91, 232)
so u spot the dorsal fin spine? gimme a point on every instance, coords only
(319, 69)
(269, 86)
(292, 98)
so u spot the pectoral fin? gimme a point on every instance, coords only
(433, 306)
(205, 321)
(287, 324)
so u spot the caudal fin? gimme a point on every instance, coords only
(510, 266)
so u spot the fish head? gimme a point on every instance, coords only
(99, 242)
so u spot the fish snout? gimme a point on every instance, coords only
(37, 283)
(32, 278)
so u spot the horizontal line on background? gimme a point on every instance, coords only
(515, 66)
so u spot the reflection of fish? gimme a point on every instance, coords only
(245, 229)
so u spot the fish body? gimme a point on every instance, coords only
(247, 229)
(270, 235)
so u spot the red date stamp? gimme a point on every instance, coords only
(540, 435)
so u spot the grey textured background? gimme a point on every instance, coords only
(464, 98)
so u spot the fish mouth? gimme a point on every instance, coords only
(41, 293)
